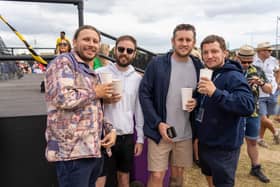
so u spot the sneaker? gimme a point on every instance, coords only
(262, 143)
(276, 138)
(257, 172)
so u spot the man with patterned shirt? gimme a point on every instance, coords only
(257, 80)
(75, 117)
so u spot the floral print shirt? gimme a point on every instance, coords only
(75, 116)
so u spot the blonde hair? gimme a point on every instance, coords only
(104, 50)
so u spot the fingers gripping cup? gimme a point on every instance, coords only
(205, 72)
(106, 78)
(186, 95)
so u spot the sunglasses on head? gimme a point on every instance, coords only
(246, 62)
(62, 44)
(128, 50)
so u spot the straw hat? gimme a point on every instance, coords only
(246, 51)
(264, 46)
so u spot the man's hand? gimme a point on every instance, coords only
(162, 127)
(138, 148)
(206, 86)
(109, 140)
(191, 104)
(104, 90)
(114, 99)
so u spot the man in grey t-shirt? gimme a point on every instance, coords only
(160, 97)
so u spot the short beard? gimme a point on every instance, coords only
(85, 59)
(123, 65)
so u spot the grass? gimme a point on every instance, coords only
(269, 159)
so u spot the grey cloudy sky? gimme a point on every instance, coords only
(150, 21)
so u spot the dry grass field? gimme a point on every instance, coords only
(269, 158)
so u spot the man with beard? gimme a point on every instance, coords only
(220, 126)
(75, 117)
(121, 108)
(160, 98)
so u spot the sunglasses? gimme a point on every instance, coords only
(62, 44)
(128, 50)
(246, 62)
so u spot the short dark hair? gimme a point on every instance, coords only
(214, 38)
(126, 37)
(62, 32)
(187, 27)
(84, 27)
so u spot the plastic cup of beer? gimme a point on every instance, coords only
(106, 78)
(205, 72)
(117, 86)
(186, 95)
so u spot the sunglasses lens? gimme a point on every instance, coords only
(121, 49)
(248, 62)
(129, 51)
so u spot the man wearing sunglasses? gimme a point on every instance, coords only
(160, 97)
(268, 102)
(123, 108)
(257, 80)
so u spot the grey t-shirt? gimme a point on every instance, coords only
(183, 75)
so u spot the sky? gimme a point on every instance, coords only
(151, 22)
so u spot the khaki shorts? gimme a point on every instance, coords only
(179, 154)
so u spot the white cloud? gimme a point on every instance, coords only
(150, 21)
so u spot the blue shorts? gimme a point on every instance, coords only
(218, 163)
(80, 172)
(252, 127)
(268, 105)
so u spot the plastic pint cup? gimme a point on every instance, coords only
(106, 78)
(186, 95)
(205, 72)
(117, 86)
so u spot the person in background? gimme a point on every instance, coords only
(197, 53)
(121, 109)
(64, 46)
(268, 102)
(59, 39)
(160, 98)
(257, 80)
(74, 113)
(100, 61)
(223, 102)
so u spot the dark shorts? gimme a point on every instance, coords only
(220, 164)
(80, 172)
(105, 159)
(123, 153)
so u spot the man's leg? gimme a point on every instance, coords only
(181, 157)
(156, 179)
(209, 180)
(158, 156)
(251, 133)
(176, 178)
(124, 154)
(80, 173)
(123, 179)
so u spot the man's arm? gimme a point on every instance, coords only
(146, 97)
(62, 89)
(237, 98)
